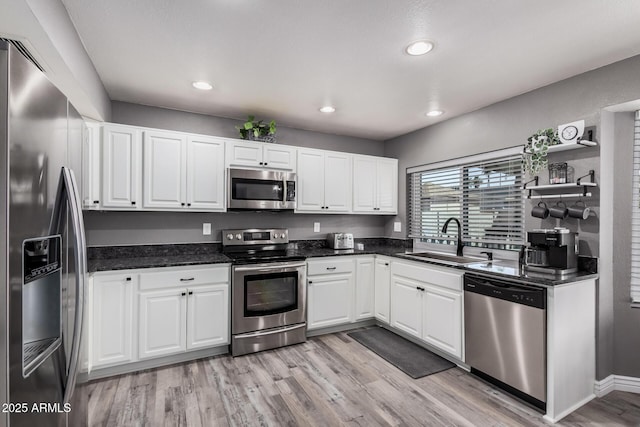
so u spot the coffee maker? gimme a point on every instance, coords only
(552, 251)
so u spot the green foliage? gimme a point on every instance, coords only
(253, 128)
(536, 149)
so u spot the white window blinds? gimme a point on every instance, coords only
(485, 195)
(635, 218)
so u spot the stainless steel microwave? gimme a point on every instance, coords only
(261, 189)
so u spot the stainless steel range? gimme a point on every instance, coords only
(268, 290)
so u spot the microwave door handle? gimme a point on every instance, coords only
(285, 190)
(68, 192)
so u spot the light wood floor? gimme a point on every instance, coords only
(330, 380)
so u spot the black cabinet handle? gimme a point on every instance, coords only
(181, 204)
(188, 204)
(419, 288)
(265, 163)
(183, 294)
(261, 163)
(190, 292)
(188, 280)
(331, 268)
(128, 279)
(310, 282)
(96, 201)
(386, 263)
(133, 203)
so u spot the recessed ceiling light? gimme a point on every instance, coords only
(202, 85)
(328, 109)
(435, 113)
(419, 47)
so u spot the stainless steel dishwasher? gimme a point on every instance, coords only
(505, 335)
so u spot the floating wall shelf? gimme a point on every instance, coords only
(580, 185)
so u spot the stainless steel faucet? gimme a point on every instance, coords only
(460, 245)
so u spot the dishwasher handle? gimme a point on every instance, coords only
(518, 293)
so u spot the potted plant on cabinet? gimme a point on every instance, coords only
(536, 149)
(257, 130)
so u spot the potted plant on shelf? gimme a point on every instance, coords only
(536, 149)
(257, 130)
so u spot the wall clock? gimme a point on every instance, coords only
(570, 133)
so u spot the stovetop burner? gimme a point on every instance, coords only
(256, 246)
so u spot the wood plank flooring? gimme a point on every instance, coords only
(330, 380)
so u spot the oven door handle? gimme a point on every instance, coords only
(270, 332)
(270, 268)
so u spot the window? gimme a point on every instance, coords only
(635, 217)
(483, 192)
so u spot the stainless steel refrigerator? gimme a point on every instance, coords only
(43, 258)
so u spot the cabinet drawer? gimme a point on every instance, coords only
(183, 277)
(439, 276)
(330, 265)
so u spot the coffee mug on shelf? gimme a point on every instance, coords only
(540, 211)
(579, 210)
(559, 210)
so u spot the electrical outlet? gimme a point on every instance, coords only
(397, 226)
(316, 227)
(206, 229)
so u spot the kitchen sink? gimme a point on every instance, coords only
(446, 258)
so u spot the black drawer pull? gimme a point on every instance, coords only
(331, 268)
(188, 280)
(128, 279)
(133, 203)
(96, 201)
(190, 292)
(183, 294)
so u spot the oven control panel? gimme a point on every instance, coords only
(255, 236)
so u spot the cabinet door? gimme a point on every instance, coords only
(112, 319)
(279, 157)
(164, 165)
(91, 166)
(162, 324)
(208, 316)
(442, 319)
(329, 300)
(387, 186)
(205, 174)
(241, 153)
(364, 298)
(406, 306)
(121, 172)
(337, 182)
(382, 284)
(364, 184)
(310, 195)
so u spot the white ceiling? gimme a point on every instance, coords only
(283, 59)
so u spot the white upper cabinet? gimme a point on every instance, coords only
(205, 173)
(260, 155)
(91, 166)
(324, 181)
(164, 165)
(183, 172)
(121, 167)
(375, 185)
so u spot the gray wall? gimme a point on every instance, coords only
(129, 228)
(509, 123)
(162, 118)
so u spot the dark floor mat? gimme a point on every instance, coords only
(410, 358)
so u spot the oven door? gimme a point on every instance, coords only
(261, 189)
(267, 296)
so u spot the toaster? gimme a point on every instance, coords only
(340, 240)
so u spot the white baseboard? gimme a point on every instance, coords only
(617, 382)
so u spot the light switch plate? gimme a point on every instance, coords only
(397, 226)
(316, 227)
(206, 229)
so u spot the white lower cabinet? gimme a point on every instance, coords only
(426, 302)
(182, 309)
(382, 284)
(136, 315)
(365, 282)
(340, 290)
(163, 323)
(111, 319)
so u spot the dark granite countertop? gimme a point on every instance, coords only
(151, 256)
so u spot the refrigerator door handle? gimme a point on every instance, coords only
(68, 192)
